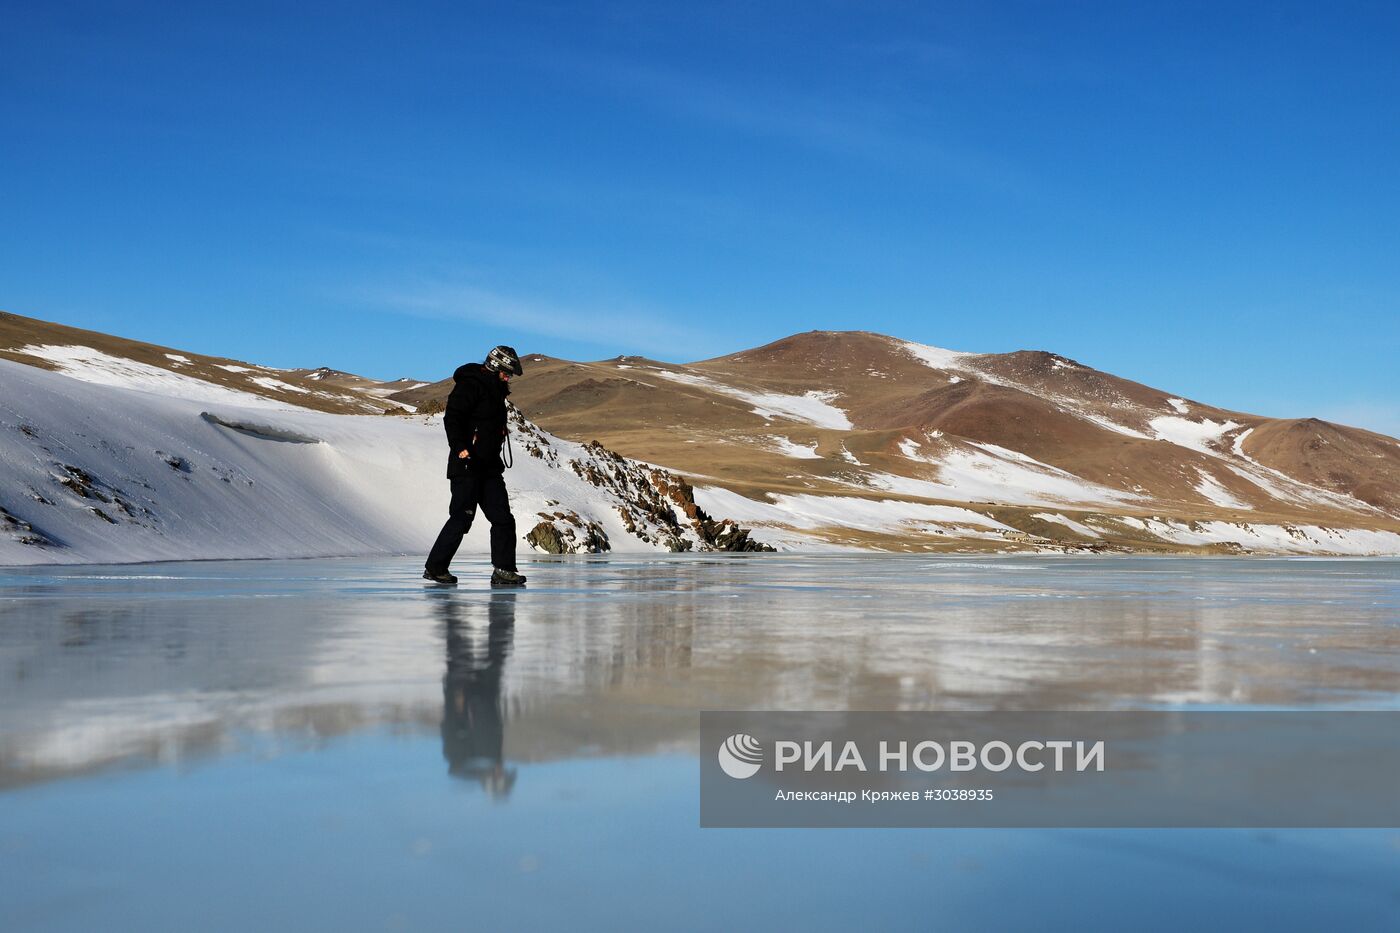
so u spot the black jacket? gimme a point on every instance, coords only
(476, 420)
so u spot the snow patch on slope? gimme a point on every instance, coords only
(1106, 422)
(938, 358)
(798, 451)
(1296, 539)
(1214, 491)
(1204, 435)
(277, 385)
(935, 357)
(1283, 487)
(988, 473)
(91, 365)
(813, 407)
(1068, 522)
(805, 511)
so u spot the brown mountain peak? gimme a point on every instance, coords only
(809, 344)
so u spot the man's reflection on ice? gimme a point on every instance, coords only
(473, 721)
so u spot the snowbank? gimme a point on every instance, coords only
(95, 473)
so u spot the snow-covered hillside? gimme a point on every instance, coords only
(100, 473)
(115, 450)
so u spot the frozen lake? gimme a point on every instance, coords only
(331, 744)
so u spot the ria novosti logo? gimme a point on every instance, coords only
(740, 756)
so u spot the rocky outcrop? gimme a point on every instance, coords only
(564, 532)
(645, 511)
(526, 436)
(715, 535)
(651, 499)
(654, 504)
(22, 531)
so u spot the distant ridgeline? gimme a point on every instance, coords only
(821, 440)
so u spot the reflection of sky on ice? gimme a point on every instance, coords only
(240, 745)
(371, 833)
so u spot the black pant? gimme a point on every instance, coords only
(487, 490)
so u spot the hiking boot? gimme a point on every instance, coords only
(501, 577)
(444, 578)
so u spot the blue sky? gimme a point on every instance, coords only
(1203, 197)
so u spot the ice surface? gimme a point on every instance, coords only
(223, 647)
(264, 745)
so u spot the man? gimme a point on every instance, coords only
(476, 428)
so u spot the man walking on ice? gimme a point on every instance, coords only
(476, 429)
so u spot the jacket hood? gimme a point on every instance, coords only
(468, 371)
(480, 373)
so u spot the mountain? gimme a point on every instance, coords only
(116, 361)
(113, 449)
(107, 455)
(861, 439)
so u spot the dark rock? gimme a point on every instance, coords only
(574, 536)
(82, 484)
(546, 538)
(659, 506)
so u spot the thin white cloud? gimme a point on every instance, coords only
(865, 126)
(615, 329)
